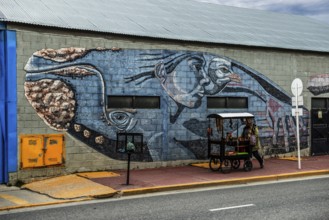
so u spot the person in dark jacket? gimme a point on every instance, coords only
(251, 133)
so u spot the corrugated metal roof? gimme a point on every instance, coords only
(185, 20)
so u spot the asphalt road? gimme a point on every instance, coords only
(302, 199)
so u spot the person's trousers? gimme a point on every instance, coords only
(258, 157)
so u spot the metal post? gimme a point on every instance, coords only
(296, 89)
(297, 127)
(128, 169)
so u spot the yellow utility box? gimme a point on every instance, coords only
(42, 150)
(54, 150)
(32, 151)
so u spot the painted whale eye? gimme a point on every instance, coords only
(121, 119)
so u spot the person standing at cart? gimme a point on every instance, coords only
(251, 133)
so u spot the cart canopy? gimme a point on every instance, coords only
(231, 115)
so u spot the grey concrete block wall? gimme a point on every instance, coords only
(280, 66)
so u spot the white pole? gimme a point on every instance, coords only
(297, 127)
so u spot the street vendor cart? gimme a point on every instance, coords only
(226, 148)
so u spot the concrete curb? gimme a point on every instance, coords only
(138, 191)
(277, 177)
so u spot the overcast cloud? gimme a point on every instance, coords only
(316, 9)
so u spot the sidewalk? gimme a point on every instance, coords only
(86, 186)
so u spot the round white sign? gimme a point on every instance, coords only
(297, 87)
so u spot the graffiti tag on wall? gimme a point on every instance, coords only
(318, 84)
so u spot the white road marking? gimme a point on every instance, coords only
(231, 207)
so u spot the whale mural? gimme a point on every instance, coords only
(69, 90)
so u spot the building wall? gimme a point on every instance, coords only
(276, 69)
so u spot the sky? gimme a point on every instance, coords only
(316, 9)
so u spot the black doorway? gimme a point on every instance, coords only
(320, 126)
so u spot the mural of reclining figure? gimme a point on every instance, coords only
(206, 79)
(68, 88)
(222, 76)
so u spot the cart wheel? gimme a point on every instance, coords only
(247, 165)
(214, 164)
(225, 166)
(235, 164)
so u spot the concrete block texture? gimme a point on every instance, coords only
(173, 131)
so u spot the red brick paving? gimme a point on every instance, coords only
(191, 174)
